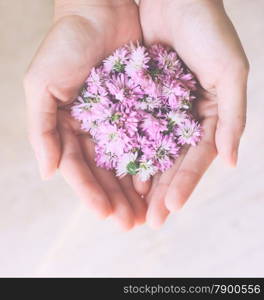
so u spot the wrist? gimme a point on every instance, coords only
(82, 8)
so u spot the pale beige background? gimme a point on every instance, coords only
(45, 231)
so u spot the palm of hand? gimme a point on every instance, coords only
(82, 43)
(73, 46)
(206, 41)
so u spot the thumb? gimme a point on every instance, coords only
(231, 94)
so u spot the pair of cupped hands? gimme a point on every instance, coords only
(87, 31)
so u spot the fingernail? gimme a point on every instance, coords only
(172, 204)
(234, 157)
(43, 173)
(155, 222)
(43, 168)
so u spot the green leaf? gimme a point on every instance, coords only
(115, 117)
(95, 99)
(154, 72)
(132, 168)
(119, 67)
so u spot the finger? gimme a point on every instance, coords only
(154, 182)
(231, 94)
(137, 202)
(195, 163)
(79, 176)
(43, 134)
(157, 211)
(122, 209)
(44, 86)
(142, 187)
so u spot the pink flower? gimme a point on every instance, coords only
(149, 103)
(173, 92)
(117, 61)
(177, 117)
(146, 169)
(127, 164)
(121, 87)
(126, 119)
(112, 139)
(95, 81)
(165, 150)
(189, 132)
(157, 50)
(152, 126)
(105, 159)
(138, 61)
(168, 61)
(136, 105)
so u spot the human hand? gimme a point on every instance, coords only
(84, 33)
(204, 37)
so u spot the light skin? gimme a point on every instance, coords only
(86, 31)
(83, 33)
(206, 40)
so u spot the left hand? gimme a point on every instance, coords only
(204, 37)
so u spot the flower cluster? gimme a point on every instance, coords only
(136, 106)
